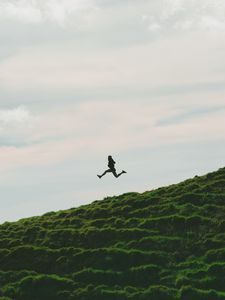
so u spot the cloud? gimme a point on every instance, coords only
(186, 15)
(211, 23)
(154, 27)
(36, 11)
(15, 115)
(16, 125)
(158, 15)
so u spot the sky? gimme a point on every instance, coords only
(141, 80)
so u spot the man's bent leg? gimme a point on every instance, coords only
(107, 171)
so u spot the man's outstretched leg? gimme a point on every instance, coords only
(118, 175)
(107, 171)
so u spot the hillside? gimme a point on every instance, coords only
(165, 244)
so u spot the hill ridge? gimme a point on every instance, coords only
(164, 244)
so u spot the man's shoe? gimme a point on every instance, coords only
(124, 171)
(99, 176)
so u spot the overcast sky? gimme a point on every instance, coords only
(142, 80)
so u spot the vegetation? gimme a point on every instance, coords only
(167, 244)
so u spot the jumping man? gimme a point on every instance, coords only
(111, 165)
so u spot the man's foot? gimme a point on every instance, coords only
(99, 176)
(124, 171)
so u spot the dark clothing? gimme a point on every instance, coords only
(111, 164)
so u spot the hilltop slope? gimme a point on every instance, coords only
(165, 244)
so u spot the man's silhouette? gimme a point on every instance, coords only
(111, 165)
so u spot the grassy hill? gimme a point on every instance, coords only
(165, 244)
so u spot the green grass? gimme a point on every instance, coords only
(166, 244)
